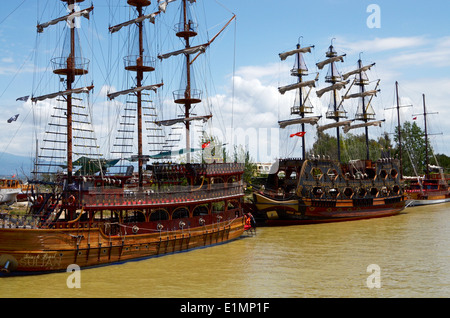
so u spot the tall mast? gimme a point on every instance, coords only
(70, 80)
(300, 69)
(139, 77)
(69, 66)
(300, 98)
(186, 95)
(427, 171)
(140, 63)
(399, 130)
(335, 79)
(363, 101)
(365, 112)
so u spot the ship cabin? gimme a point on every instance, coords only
(323, 178)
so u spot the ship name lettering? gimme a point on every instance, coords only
(44, 260)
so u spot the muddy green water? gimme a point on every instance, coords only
(410, 250)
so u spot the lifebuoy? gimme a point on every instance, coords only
(71, 199)
(135, 229)
(40, 199)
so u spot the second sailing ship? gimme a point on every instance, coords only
(318, 188)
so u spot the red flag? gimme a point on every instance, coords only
(206, 144)
(299, 134)
(414, 118)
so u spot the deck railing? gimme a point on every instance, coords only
(175, 194)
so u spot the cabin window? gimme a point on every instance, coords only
(233, 205)
(371, 174)
(218, 207)
(180, 213)
(159, 215)
(348, 192)
(316, 173)
(394, 173)
(317, 192)
(362, 192)
(395, 189)
(334, 192)
(200, 210)
(374, 191)
(332, 174)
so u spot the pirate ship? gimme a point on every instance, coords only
(90, 217)
(433, 186)
(318, 188)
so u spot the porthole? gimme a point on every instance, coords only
(348, 192)
(374, 191)
(394, 173)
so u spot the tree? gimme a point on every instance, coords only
(242, 155)
(413, 149)
(443, 161)
(352, 147)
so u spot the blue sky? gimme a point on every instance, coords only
(411, 46)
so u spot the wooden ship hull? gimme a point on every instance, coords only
(92, 227)
(426, 197)
(323, 191)
(86, 245)
(430, 190)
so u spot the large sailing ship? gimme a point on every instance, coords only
(318, 188)
(432, 186)
(90, 217)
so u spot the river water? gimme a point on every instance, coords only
(407, 255)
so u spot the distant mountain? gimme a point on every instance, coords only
(15, 165)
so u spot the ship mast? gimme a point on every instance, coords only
(399, 130)
(186, 30)
(335, 110)
(300, 69)
(140, 63)
(68, 66)
(188, 95)
(427, 169)
(365, 110)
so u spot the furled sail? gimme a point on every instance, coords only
(190, 50)
(284, 89)
(70, 17)
(284, 55)
(320, 65)
(336, 86)
(163, 4)
(63, 93)
(333, 125)
(359, 70)
(151, 17)
(309, 120)
(171, 122)
(134, 90)
(372, 123)
(362, 94)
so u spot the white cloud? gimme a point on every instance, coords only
(381, 44)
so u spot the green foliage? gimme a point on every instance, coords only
(413, 149)
(444, 161)
(352, 147)
(243, 156)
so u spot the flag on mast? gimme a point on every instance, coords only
(299, 134)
